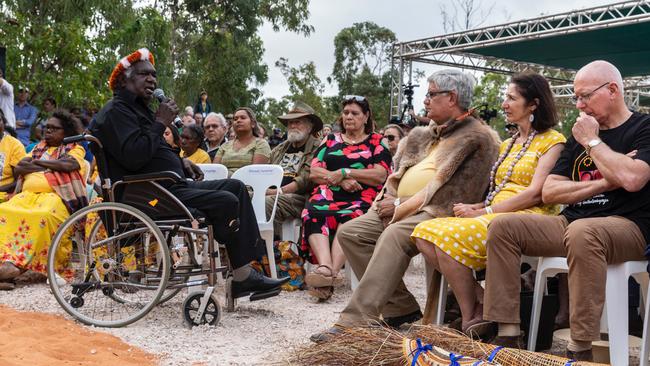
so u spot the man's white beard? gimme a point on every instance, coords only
(295, 136)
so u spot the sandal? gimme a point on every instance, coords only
(321, 293)
(318, 279)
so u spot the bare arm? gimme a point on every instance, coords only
(370, 176)
(319, 175)
(260, 159)
(560, 189)
(64, 164)
(532, 195)
(26, 166)
(620, 169)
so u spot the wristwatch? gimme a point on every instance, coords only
(396, 202)
(591, 144)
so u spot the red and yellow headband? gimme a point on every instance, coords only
(142, 54)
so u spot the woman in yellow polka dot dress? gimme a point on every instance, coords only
(459, 243)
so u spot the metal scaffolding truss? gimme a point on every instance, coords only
(459, 49)
(565, 23)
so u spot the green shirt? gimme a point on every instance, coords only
(235, 159)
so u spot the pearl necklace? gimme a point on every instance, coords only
(494, 190)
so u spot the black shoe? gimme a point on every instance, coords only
(396, 321)
(256, 282)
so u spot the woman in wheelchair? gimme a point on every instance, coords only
(52, 188)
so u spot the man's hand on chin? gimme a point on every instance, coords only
(192, 170)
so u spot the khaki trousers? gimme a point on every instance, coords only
(588, 244)
(289, 206)
(379, 257)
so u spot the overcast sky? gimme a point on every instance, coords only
(409, 19)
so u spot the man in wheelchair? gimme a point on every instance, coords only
(133, 142)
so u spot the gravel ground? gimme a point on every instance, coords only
(256, 333)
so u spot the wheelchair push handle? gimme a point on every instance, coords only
(83, 137)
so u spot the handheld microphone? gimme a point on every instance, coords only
(160, 95)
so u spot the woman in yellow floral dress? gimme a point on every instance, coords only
(457, 245)
(52, 188)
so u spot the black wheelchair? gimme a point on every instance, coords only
(110, 263)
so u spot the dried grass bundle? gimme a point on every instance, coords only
(384, 346)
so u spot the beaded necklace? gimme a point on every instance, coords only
(494, 190)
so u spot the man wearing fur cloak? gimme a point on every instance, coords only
(444, 163)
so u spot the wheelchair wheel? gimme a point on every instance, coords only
(112, 262)
(211, 314)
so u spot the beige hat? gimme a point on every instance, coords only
(299, 110)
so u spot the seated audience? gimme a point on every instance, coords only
(327, 129)
(455, 246)
(246, 147)
(52, 189)
(191, 139)
(602, 176)
(392, 135)
(11, 152)
(349, 168)
(295, 156)
(215, 128)
(173, 139)
(198, 119)
(436, 166)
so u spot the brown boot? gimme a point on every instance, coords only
(585, 355)
(516, 342)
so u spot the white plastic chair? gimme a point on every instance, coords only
(615, 313)
(290, 229)
(261, 177)
(213, 171)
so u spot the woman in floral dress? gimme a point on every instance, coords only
(52, 188)
(350, 169)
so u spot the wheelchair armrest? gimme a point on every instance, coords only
(164, 175)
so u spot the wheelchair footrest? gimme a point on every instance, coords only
(265, 295)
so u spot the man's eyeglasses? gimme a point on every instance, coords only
(211, 127)
(585, 97)
(390, 138)
(52, 128)
(432, 94)
(356, 98)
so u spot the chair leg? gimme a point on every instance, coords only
(268, 238)
(442, 301)
(349, 273)
(645, 341)
(433, 279)
(538, 296)
(617, 314)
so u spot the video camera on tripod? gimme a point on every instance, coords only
(408, 106)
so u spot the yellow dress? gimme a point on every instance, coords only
(11, 152)
(29, 220)
(464, 239)
(199, 157)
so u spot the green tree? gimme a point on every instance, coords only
(362, 65)
(488, 95)
(67, 48)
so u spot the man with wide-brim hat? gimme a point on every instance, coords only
(294, 155)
